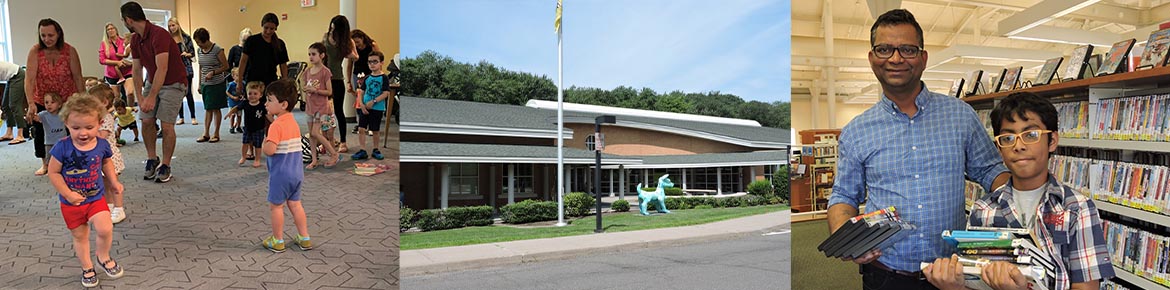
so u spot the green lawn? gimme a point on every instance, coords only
(630, 221)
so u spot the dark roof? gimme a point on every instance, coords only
(776, 157)
(747, 133)
(427, 150)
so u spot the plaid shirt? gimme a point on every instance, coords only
(1067, 226)
(916, 165)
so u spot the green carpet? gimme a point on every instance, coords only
(810, 268)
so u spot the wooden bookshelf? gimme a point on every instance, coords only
(1121, 80)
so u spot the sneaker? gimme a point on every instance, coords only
(91, 281)
(164, 174)
(274, 245)
(151, 169)
(303, 242)
(377, 154)
(360, 155)
(117, 214)
(114, 272)
(121, 141)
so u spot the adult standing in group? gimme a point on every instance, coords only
(13, 103)
(112, 54)
(55, 68)
(911, 150)
(153, 49)
(188, 52)
(338, 47)
(213, 73)
(237, 51)
(263, 54)
(359, 68)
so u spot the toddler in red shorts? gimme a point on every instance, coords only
(75, 171)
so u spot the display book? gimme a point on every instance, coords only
(1156, 47)
(864, 233)
(977, 247)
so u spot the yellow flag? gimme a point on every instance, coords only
(557, 23)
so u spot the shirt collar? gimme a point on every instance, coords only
(921, 100)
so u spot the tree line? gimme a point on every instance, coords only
(432, 75)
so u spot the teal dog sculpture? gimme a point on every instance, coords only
(659, 195)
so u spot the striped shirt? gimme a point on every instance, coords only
(208, 62)
(917, 165)
(1067, 227)
(284, 167)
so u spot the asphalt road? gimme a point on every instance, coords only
(759, 261)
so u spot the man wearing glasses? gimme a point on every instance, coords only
(1065, 222)
(911, 150)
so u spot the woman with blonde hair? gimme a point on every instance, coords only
(233, 60)
(113, 55)
(188, 47)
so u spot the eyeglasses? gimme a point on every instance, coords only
(373, 61)
(906, 50)
(1028, 137)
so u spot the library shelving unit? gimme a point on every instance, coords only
(818, 166)
(1097, 91)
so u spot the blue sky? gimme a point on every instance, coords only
(737, 46)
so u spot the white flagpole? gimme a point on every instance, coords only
(560, 128)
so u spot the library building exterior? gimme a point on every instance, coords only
(459, 153)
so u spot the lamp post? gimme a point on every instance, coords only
(599, 144)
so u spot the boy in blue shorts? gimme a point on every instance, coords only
(256, 120)
(285, 173)
(375, 90)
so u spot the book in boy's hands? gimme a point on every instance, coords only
(959, 236)
(865, 233)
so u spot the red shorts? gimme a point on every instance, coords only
(77, 215)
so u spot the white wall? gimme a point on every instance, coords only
(802, 115)
(82, 21)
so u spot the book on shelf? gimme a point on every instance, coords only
(1139, 118)
(864, 233)
(1140, 186)
(1138, 251)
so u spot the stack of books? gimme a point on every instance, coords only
(978, 248)
(865, 233)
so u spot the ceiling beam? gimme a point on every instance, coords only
(1100, 12)
(877, 7)
(985, 52)
(1052, 34)
(1040, 13)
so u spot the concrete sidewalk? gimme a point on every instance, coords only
(438, 260)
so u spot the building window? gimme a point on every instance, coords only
(5, 33)
(524, 179)
(464, 179)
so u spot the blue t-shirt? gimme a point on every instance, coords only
(375, 85)
(82, 169)
(54, 127)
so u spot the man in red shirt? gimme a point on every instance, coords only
(153, 49)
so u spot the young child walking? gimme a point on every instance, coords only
(105, 95)
(234, 99)
(81, 171)
(126, 120)
(256, 120)
(54, 128)
(285, 175)
(374, 92)
(318, 90)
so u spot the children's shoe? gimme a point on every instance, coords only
(164, 174)
(91, 281)
(114, 272)
(360, 155)
(121, 141)
(151, 169)
(303, 242)
(377, 154)
(117, 214)
(274, 245)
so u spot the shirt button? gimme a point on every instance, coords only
(911, 121)
(916, 176)
(913, 147)
(920, 206)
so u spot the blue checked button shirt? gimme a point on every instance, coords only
(1067, 227)
(916, 164)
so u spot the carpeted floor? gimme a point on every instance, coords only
(810, 268)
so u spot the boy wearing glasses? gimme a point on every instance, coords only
(1064, 222)
(375, 89)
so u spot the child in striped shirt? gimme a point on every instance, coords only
(285, 174)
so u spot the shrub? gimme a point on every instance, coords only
(620, 205)
(433, 220)
(703, 206)
(780, 182)
(579, 204)
(527, 211)
(468, 216)
(760, 187)
(752, 200)
(406, 219)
